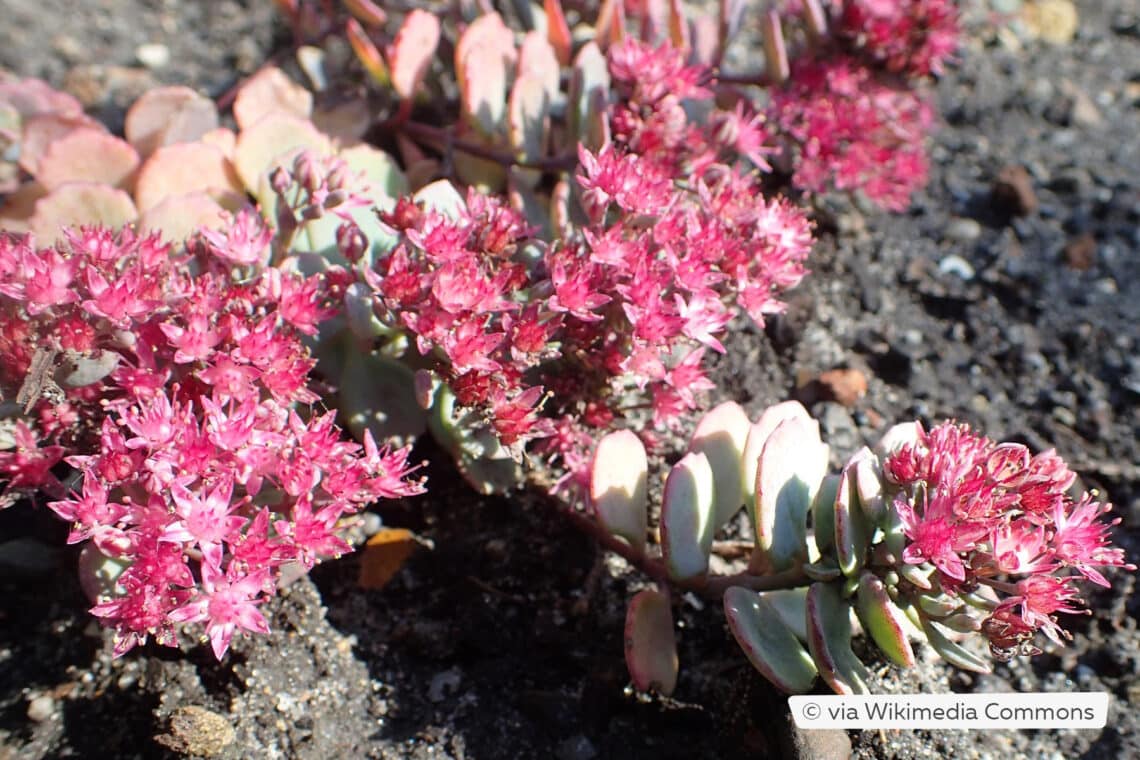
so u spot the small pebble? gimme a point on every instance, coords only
(153, 55)
(41, 708)
(963, 230)
(956, 265)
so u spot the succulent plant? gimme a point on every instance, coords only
(932, 537)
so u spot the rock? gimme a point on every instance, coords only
(153, 55)
(444, 684)
(41, 708)
(577, 747)
(1080, 252)
(1054, 21)
(197, 731)
(846, 386)
(963, 230)
(1013, 191)
(956, 265)
(820, 744)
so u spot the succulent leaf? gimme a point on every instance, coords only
(852, 530)
(898, 436)
(80, 203)
(88, 155)
(823, 514)
(177, 217)
(650, 645)
(184, 168)
(413, 51)
(758, 436)
(259, 148)
(377, 395)
(168, 115)
(951, 651)
(791, 469)
(367, 53)
(883, 620)
(558, 31)
(721, 435)
(775, 49)
(768, 642)
(823, 570)
(527, 122)
(686, 517)
(619, 473)
(589, 80)
(829, 640)
(869, 485)
(268, 91)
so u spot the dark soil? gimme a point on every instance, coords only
(505, 640)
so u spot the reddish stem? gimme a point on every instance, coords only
(442, 139)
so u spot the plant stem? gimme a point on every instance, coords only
(442, 139)
(711, 587)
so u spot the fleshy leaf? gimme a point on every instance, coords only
(558, 31)
(527, 124)
(40, 132)
(168, 115)
(184, 168)
(650, 646)
(898, 436)
(829, 640)
(484, 97)
(538, 59)
(792, 465)
(486, 31)
(790, 606)
(678, 26)
(367, 12)
(686, 517)
(869, 485)
(481, 458)
(88, 155)
(768, 643)
(271, 91)
(379, 169)
(721, 435)
(367, 53)
(852, 530)
(79, 203)
(618, 486)
(378, 394)
(775, 49)
(758, 436)
(823, 514)
(441, 196)
(951, 651)
(277, 135)
(412, 51)
(179, 216)
(883, 620)
(590, 75)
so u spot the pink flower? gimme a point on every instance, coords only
(205, 520)
(1081, 541)
(937, 536)
(226, 603)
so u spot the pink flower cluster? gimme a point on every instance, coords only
(622, 308)
(201, 476)
(992, 514)
(853, 132)
(912, 37)
(850, 114)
